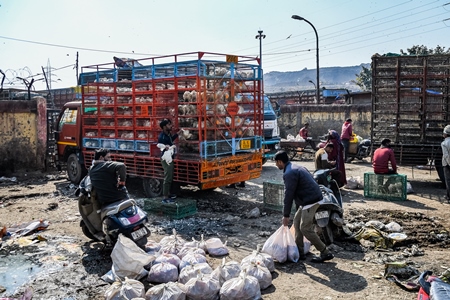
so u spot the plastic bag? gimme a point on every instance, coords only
(276, 245)
(226, 271)
(393, 227)
(128, 260)
(152, 247)
(125, 290)
(166, 291)
(191, 259)
(202, 287)
(191, 271)
(172, 244)
(163, 273)
(216, 247)
(306, 242)
(186, 250)
(352, 183)
(244, 287)
(260, 272)
(168, 258)
(264, 258)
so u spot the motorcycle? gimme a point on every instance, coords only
(104, 224)
(360, 151)
(328, 219)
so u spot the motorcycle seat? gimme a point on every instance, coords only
(117, 206)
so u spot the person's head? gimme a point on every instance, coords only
(329, 148)
(446, 131)
(348, 120)
(281, 159)
(386, 143)
(166, 124)
(306, 125)
(102, 154)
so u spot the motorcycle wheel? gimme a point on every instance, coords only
(327, 235)
(86, 231)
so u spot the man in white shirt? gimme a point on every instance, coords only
(446, 159)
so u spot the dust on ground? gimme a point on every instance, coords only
(60, 263)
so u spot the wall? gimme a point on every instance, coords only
(324, 117)
(23, 134)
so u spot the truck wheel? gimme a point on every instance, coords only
(75, 170)
(152, 187)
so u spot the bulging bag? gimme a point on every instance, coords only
(276, 245)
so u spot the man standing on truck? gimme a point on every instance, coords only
(166, 138)
(300, 186)
(304, 134)
(446, 159)
(108, 178)
(346, 135)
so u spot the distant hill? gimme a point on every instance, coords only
(332, 77)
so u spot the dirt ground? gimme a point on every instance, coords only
(61, 263)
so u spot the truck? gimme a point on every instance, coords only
(410, 106)
(271, 131)
(215, 98)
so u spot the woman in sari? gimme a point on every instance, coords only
(337, 154)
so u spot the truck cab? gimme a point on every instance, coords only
(271, 131)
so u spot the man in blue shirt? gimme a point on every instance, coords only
(300, 186)
(166, 138)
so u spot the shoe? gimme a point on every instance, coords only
(168, 200)
(242, 184)
(322, 258)
(173, 196)
(231, 186)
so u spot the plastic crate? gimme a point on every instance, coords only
(180, 209)
(124, 145)
(273, 194)
(142, 146)
(374, 186)
(108, 144)
(91, 143)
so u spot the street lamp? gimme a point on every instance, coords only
(260, 36)
(295, 17)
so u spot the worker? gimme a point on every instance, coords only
(322, 163)
(304, 135)
(446, 159)
(382, 158)
(346, 135)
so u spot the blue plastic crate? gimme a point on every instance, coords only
(91, 143)
(142, 73)
(125, 145)
(142, 146)
(99, 76)
(110, 144)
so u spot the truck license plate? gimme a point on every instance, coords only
(139, 233)
(246, 144)
(322, 214)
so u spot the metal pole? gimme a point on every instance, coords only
(295, 17)
(260, 36)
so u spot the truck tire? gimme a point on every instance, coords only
(152, 187)
(75, 170)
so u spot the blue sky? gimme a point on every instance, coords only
(35, 34)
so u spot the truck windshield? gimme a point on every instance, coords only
(269, 113)
(69, 117)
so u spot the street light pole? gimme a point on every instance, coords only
(260, 36)
(295, 17)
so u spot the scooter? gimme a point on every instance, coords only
(104, 224)
(362, 150)
(329, 216)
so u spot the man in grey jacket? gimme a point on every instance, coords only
(300, 186)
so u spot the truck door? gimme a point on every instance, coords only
(68, 130)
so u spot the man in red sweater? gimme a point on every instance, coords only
(381, 158)
(346, 135)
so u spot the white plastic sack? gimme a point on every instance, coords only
(352, 183)
(152, 247)
(226, 271)
(292, 249)
(191, 259)
(193, 244)
(215, 247)
(306, 242)
(191, 272)
(166, 291)
(163, 273)
(281, 246)
(260, 272)
(125, 290)
(202, 287)
(244, 287)
(129, 260)
(172, 244)
(393, 227)
(168, 258)
(258, 256)
(409, 189)
(186, 250)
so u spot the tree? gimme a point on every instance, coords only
(364, 79)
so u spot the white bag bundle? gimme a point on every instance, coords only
(276, 245)
(292, 249)
(163, 273)
(193, 244)
(258, 256)
(243, 287)
(185, 250)
(202, 287)
(152, 247)
(172, 244)
(168, 258)
(127, 289)
(260, 272)
(192, 259)
(191, 271)
(215, 247)
(306, 242)
(128, 260)
(166, 291)
(227, 270)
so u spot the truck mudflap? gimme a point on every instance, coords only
(227, 170)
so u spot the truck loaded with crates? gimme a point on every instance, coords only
(410, 106)
(215, 98)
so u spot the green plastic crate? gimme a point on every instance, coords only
(273, 194)
(374, 183)
(180, 209)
